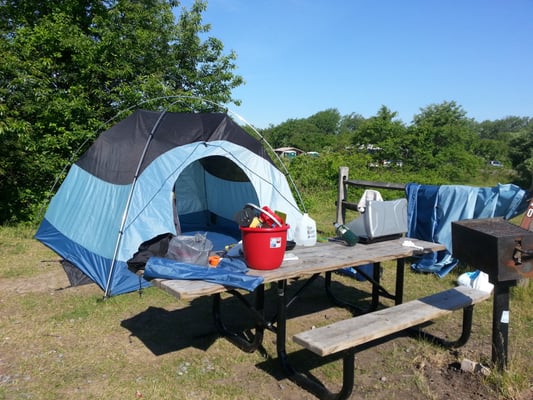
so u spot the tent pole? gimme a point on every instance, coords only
(281, 165)
(128, 204)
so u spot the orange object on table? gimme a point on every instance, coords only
(213, 261)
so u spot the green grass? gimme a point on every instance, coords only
(69, 343)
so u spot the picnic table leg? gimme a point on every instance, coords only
(466, 330)
(299, 378)
(376, 286)
(400, 273)
(253, 341)
(377, 289)
(340, 302)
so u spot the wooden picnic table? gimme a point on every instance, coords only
(323, 258)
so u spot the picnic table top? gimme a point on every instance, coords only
(323, 257)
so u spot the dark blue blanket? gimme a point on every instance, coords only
(432, 209)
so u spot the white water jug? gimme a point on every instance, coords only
(305, 231)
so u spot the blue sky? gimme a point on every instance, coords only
(299, 57)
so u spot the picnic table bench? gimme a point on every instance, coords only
(346, 335)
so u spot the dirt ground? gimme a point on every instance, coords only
(401, 369)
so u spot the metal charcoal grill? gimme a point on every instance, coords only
(505, 252)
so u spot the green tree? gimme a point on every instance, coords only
(327, 121)
(492, 149)
(496, 136)
(443, 139)
(309, 134)
(521, 156)
(495, 129)
(69, 65)
(350, 123)
(292, 133)
(383, 132)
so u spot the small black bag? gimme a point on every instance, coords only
(155, 247)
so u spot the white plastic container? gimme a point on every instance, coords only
(305, 231)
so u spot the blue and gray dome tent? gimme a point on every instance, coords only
(153, 173)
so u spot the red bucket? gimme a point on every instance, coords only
(264, 247)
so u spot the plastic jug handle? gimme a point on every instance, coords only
(265, 212)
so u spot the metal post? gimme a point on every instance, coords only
(281, 327)
(400, 274)
(500, 323)
(376, 275)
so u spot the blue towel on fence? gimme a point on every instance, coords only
(431, 210)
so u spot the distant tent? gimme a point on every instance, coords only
(158, 172)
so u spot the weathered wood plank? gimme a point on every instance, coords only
(188, 289)
(374, 184)
(352, 332)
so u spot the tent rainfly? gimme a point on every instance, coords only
(153, 173)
